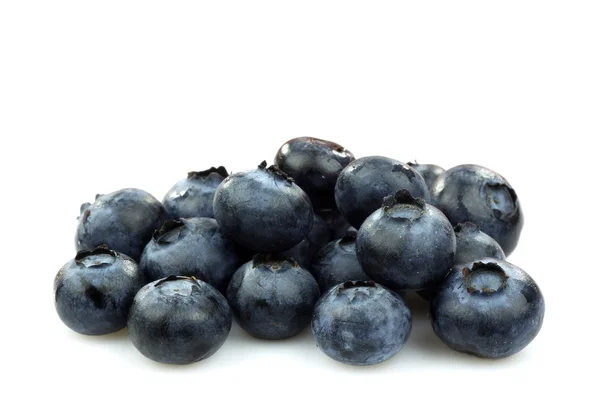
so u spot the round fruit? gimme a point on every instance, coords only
(488, 308)
(263, 210)
(472, 244)
(123, 220)
(179, 320)
(272, 297)
(476, 194)
(407, 244)
(337, 263)
(364, 183)
(193, 196)
(315, 165)
(361, 323)
(93, 292)
(192, 247)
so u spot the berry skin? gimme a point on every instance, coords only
(193, 196)
(263, 210)
(407, 244)
(93, 292)
(179, 320)
(481, 196)
(315, 165)
(304, 251)
(272, 297)
(337, 263)
(361, 323)
(337, 225)
(472, 244)
(364, 183)
(488, 308)
(429, 172)
(123, 220)
(192, 247)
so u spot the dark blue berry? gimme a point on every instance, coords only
(471, 193)
(407, 244)
(361, 323)
(336, 223)
(193, 196)
(429, 172)
(337, 263)
(304, 251)
(123, 220)
(93, 292)
(263, 210)
(364, 183)
(179, 320)
(472, 244)
(315, 165)
(192, 247)
(488, 308)
(272, 297)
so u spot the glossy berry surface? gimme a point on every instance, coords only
(263, 210)
(481, 196)
(93, 292)
(123, 220)
(337, 263)
(179, 320)
(364, 183)
(472, 244)
(315, 165)
(361, 323)
(429, 172)
(193, 196)
(407, 244)
(489, 308)
(272, 297)
(304, 251)
(336, 223)
(192, 247)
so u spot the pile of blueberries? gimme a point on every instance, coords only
(319, 238)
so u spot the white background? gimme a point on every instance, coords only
(98, 96)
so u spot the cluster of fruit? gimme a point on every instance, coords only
(320, 236)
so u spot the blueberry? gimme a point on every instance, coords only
(315, 165)
(93, 292)
(364, 183)
(263, 210)
(337, 263)
(429, 172)
(123, 220)
(336, 223)
(483, 197)
(179, 320)
(407, 244)
(304, 251)
(272, 297)
(472, 244)
(488, 308)
(361, 323)
(193, 197)
(192, 247)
